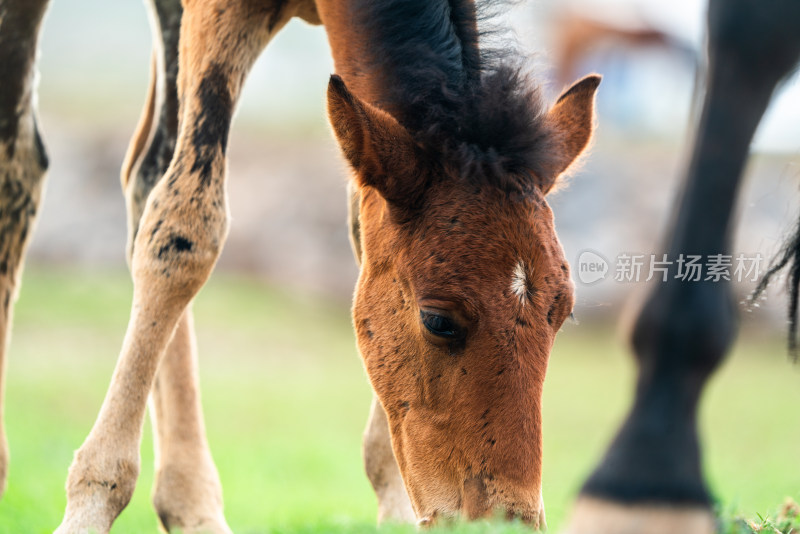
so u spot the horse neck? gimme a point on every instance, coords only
(348, 47)
(380, 56)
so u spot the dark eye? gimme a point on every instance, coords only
(439, 325)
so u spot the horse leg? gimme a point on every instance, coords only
(650, 479)
(179, 238)
(187, 493)
(382, 470)
(379, 461)
(23, 164)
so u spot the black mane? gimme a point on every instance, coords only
(471, 104)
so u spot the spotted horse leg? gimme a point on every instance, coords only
(187, 494)
(23, 164)
(650, 480)
(180, 235)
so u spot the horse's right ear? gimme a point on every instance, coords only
(379, 148)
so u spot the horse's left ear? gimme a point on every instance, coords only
(571, 121)
(379, 148)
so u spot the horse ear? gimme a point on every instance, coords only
(571, 120)
(380, 150)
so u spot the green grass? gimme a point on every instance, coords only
(786, 520)
(286, 400)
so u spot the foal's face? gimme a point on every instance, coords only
(457, 305)
(455, 315)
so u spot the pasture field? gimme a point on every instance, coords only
(286, 399)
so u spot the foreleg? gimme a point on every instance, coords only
(180, 236)
(23, 164)
(382, 470)
(187, 494)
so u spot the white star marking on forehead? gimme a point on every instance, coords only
(519, 282)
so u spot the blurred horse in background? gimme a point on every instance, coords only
(650, 480)
(578, 34)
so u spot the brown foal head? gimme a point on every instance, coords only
(463, 287)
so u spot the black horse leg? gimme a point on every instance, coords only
(650, 480)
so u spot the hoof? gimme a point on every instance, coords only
(92, 512)
(597, 516)
(98, 489)
(188, 499)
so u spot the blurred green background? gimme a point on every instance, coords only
(284, 393)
